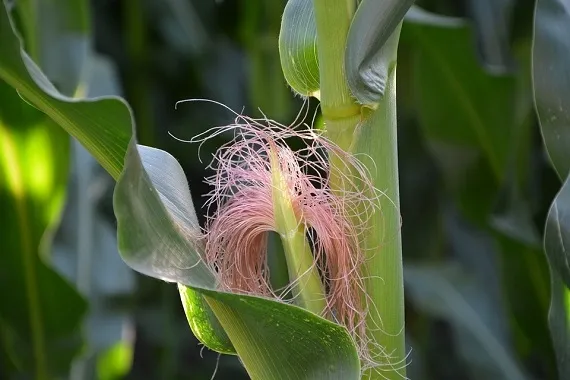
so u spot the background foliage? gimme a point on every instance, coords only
(476, 184)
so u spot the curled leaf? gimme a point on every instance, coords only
(298, 47)
(370, 49)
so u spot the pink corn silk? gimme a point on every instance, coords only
(237, 233)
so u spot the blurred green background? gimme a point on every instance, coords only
(475, 185)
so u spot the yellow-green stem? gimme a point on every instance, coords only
(377, 138)
(333, 19)
(308, 291)
(383, 270)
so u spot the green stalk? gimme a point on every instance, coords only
(340, 112)
(377, 138)
(383, 269)
(309, 291)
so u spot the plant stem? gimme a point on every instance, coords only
(308, 291)
(376, 138)
(333, 19)
(383, 270)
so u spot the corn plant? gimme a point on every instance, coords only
(351, 296)
(298, 269)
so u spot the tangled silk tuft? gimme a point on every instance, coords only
(333, 203)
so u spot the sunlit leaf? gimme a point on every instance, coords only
(115, 362)
(34, 156)
(298, 47)
(104, 134)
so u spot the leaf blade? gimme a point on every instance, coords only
(34, 157)
(367, 64)
(551, 85)
(298, 47)
(108, 137)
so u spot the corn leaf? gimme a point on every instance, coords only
(472, 144)
(492, 23)
(156, 223)
(34, 157)
(551, 81)
(366, 61)
(298, 47)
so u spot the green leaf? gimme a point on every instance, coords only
(444, 292)
(57, 34)
(556, 239)
(559, 322)
(551, 59)
(203, 322)
(551, 81)
(157, 229)
(474, 143)
(557, 233)
(376, 142)
(156, 221)
(156, 225)
(366, 60)
(104, 134)
(449, 77)
(290, 342)
(34, 157)
(492, 25)
(298, 47)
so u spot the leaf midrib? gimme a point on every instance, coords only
(113, 167)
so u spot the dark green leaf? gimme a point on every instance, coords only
(551, 81)
(557, 233)
(446, 292)
(460, 104)
(559, 323)
(366, 60)
(492, 25)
